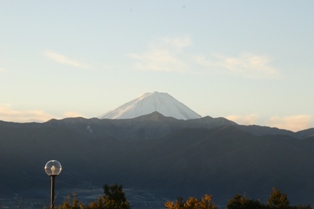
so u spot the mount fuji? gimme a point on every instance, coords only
(149, 103)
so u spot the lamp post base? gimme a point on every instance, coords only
(52, 194)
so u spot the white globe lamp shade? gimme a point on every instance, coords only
(53, 168)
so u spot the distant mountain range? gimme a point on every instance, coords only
(169, 154)
(158, 153)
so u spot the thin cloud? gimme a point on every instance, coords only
(163, 56)
(244, 119)
(9, 114)
(178, 43)
(293, 123)
(72, 114)
(245, 65)
(158, 60)
(62, 59)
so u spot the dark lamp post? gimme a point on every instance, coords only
(53, 168)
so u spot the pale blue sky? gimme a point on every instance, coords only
(249, 61)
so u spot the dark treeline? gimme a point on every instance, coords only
(114, 198)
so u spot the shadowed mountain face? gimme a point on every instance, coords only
(153, 152)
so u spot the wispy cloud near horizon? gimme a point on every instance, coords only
(72, 114)
(244, 119)
(245, 65)
(292, 122)
(62, 59)
(9, 114)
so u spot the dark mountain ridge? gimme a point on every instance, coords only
(157, 153)
(152, 126)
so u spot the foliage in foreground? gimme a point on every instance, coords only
(276, 200)
(114, 198)
(192, 203)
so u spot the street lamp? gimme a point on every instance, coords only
(53, 168)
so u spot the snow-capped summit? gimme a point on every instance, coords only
(152, 102)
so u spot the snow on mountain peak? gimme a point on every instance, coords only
(151, 102)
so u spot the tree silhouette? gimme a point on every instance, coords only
(278, 199)
(192, 203)
(240, 202)
(115, 197)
